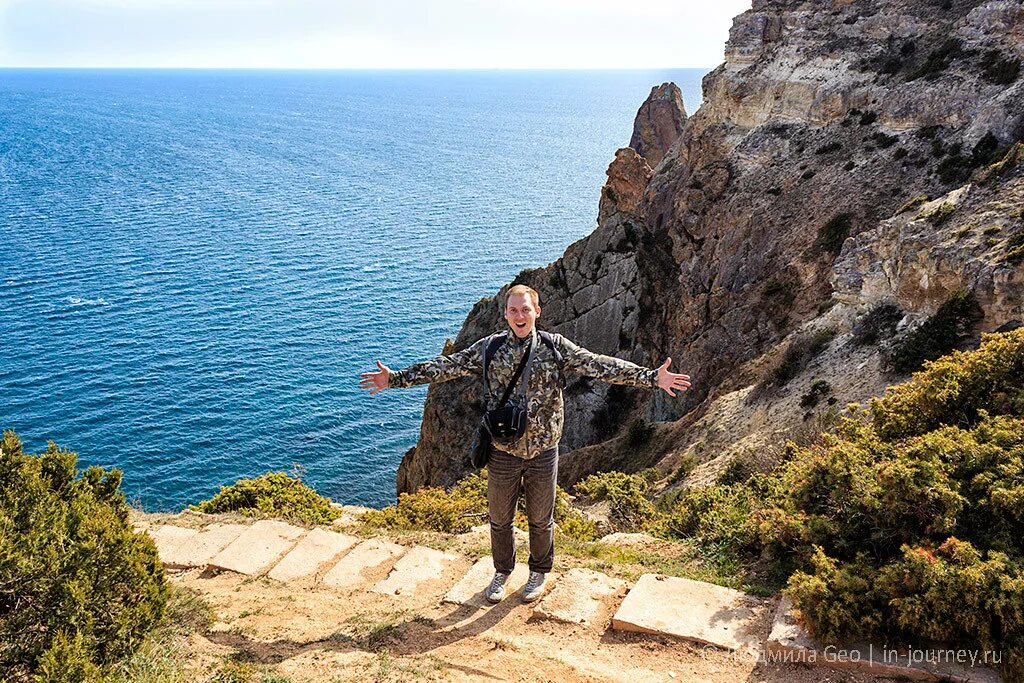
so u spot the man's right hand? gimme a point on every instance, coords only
(376, 381)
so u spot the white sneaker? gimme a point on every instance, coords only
(534, 587)
(496, 591)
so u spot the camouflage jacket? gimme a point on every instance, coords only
(545, 407)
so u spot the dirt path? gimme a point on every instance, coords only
(322, 636)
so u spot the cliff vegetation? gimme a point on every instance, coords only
(79, 589)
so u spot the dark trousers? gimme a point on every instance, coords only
(506, 476)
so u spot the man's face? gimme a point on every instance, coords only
(521, 314)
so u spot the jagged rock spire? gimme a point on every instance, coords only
(658, 123)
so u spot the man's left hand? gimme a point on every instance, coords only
(670, 381)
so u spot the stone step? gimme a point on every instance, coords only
(258, 548)
(317, 548)
(790, 643)
(579, 597)
(693, 610)
(470, 588)
(169, 538)
(180, 547)
(419, 566)
(350, 571)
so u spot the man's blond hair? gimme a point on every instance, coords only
(523, 289)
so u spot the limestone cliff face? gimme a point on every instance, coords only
(777, 212)
(920, 256)
(659, 122)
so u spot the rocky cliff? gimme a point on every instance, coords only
(852, 168)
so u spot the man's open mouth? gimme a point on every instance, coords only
(520, 325)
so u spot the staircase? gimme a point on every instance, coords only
(703, 614)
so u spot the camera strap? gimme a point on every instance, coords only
(526, 360)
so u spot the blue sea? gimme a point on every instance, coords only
(197, 265)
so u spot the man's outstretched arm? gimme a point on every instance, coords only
(464, 363)
(618, 371)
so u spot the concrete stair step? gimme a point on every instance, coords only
(351, 571)
(693, 610)
(419, 566)
(580, 597)
(185, 548)
(258, 548)
(317, 548)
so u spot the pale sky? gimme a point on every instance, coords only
(368, 34)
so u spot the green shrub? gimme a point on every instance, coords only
(940, 214)
(1000, 69)
(433, 508)
(797, 355)
(939, 334)
(638, 434)
(780, 288)
(957, 167)
(954, 389)
(819, 390)
(884, 141)
(570, 522)
(918, 539)
(631, 509)
(877, 324)
(79, 589)
(1013, 158)
(736, 471)
(525, 276)
(938, 60)
(1015, 248)
(556, 280)
(274, 494)
(578, 527)
(161, 659)
(687, 463)
(906, 523)
(834, 233)
(913, 204)
(986, 150)
(67, 661)
(464, 506)
(716, 515)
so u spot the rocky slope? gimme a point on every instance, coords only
(782, 215)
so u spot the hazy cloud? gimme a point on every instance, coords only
(381, 34)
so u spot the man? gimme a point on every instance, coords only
(531, 462)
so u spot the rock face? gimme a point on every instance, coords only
(778, 212)
(916, 261)
(659, 123)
